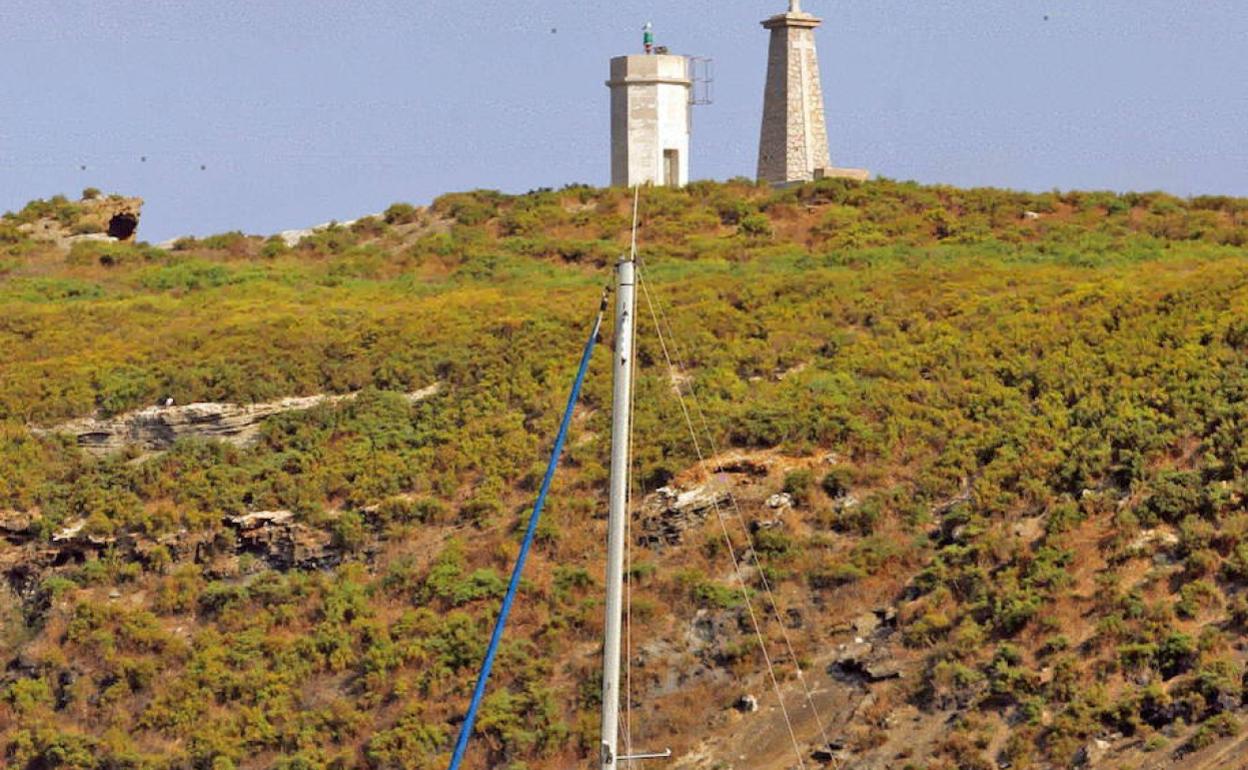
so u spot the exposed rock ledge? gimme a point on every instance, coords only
(669, 511)
(157, 427)
(275, 538)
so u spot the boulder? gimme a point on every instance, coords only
(746, 704)
(1029, 529)
(829, 753)
(853, 655)
(880, 670)
(780, 500)
(24, 665)
(15, 523)
(864, 662)
(866, 624)
(1091, 754)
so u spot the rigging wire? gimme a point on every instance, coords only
(732, 553)
(710, 438)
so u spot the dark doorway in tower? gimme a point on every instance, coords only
(671, 168)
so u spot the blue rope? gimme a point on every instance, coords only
(465, 730)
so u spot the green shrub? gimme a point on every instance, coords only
(774, 544)
(110, 253)
(193, 275)
(861, 519)
(708, 593)
(349, 532)
(407, 510)
(400, 214)
(829, 576)
(799, 484)
(928, 628)
(754, 226)
(274, 247)
(234, 242)
(1175, 655)
(836, 482)
(1195, 596)
(471, 208)
(28, 695)
(1175, 495)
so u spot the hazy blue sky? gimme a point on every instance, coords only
(307, 111)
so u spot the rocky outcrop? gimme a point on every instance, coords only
(15, 524)
(669, 512)
(156, 428)
(292, 237)
(1151, 541)
(865, 662)
(713, 634)
(95, 217)
(282, 542)
(275, 538)
(869, 657)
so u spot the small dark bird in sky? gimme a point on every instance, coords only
(142, 158)
(202, 167)
(82, 168)
(553, 30)
(1046, 17)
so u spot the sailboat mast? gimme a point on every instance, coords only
(621, 422)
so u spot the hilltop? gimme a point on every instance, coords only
(987, 445)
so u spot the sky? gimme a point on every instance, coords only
(263, 115)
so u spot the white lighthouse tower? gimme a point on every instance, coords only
(650, 117)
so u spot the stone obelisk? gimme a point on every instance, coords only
(793, 146)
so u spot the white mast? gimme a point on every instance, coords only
(617, 510)
(621, 421)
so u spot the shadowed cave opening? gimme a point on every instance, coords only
(122, 226)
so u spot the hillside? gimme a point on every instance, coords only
(1010, 428)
